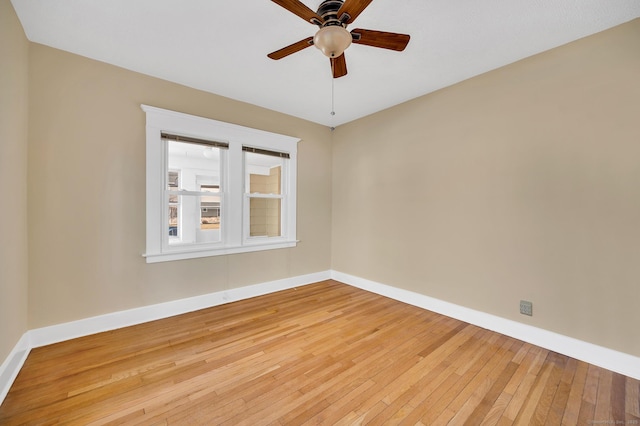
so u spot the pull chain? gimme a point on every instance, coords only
(333, 111)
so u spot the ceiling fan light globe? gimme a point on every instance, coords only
(332, 40)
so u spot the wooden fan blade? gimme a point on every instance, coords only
(385, 40)
(298, 8)
(292, 48)
(353, 8)
(339, 66)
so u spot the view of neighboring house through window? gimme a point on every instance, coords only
(174, 206)
(210, 208)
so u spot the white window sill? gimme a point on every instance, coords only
(198, 253)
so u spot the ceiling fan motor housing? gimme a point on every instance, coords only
(328, 11)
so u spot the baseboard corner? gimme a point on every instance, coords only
(12, 364)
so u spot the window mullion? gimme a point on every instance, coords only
(233, 218)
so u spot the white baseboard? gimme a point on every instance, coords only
(84, 327)
(603, 357)
(12, 364)
(610, 359)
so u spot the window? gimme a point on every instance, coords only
(215, 188)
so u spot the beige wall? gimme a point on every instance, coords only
(522, 183)
(14, 55)
(87, 192)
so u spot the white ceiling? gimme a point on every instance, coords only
(221, 46)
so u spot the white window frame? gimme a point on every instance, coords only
(234, 206)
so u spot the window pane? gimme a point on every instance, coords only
(263, 173)
(209, 209)
(265, 217)
(173, 221)
(194, 219)
(193, 169)
(188, 162)
(172, 180)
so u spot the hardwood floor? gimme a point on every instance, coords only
(326, 353)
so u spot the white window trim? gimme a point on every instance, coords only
(234, 239)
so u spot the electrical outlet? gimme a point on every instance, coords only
(526, 308)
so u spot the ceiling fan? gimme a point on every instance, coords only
(332, 38)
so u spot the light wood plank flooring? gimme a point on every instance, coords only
(326, 353)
